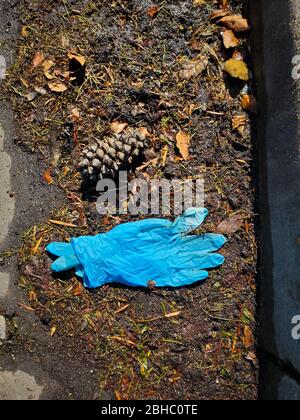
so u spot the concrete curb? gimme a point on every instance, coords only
(275, 25)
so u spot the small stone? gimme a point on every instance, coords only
(96, 164)
(90, 155)
(84, 163)
(94, 148)
(136, 152)
(40, 90)
(46, 319)
(127, 149)
(111, 152)
(100, 153)
(2, 328)
(31, 96)
(90, 170)
(119, 145)
(121, 156)
(105, 147)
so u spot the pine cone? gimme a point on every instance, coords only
(112, 154)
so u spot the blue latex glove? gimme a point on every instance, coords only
(134, 254)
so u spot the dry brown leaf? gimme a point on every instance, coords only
(153, 11)
(229, 39)
(77, 291)
(239, 122)
(218, 14)
(248, 102)
(143, 131)
(47, 64)
(235, 22)
(57, 86)
(38, 59)
(198, 2)
(117, 127)
(231, 225)
(183, 143)
(74, 56)
(248, 339)
(237, 69)
(193, 68)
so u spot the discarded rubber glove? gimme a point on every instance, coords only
(134, 254)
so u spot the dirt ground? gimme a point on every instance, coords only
(191, 343)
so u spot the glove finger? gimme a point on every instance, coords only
(209, 242)
(197, 260)
(65, 263)
(189, 221)
(59, 249)
(183, 278)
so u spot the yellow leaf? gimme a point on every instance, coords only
(57, 87)
(237, 69)
(52, 331)
(183, 144)
(24, 32)
(164, 155)
(198, 2)
(193, 68)
(117, 127)
(74, 56)
(229, 39)
(49, 76)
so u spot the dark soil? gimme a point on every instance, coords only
(192, 343)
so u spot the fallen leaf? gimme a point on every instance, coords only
(218, 14)
(74, 56)
(38, 59)
(248, 103)
(248, 339)
(198, 2)
(24, 32)
(47, 64)
(49, 76)
(183, 144)
(223, 4)
(229, 39)
(237, 69)
(117, 127)
(153, 11)
(118, 396)
(235, 22)
(239, 122)
(57, 87)
(231, 225)
(193, 68)
(143, 131)
(48, 177)
(52, 331)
